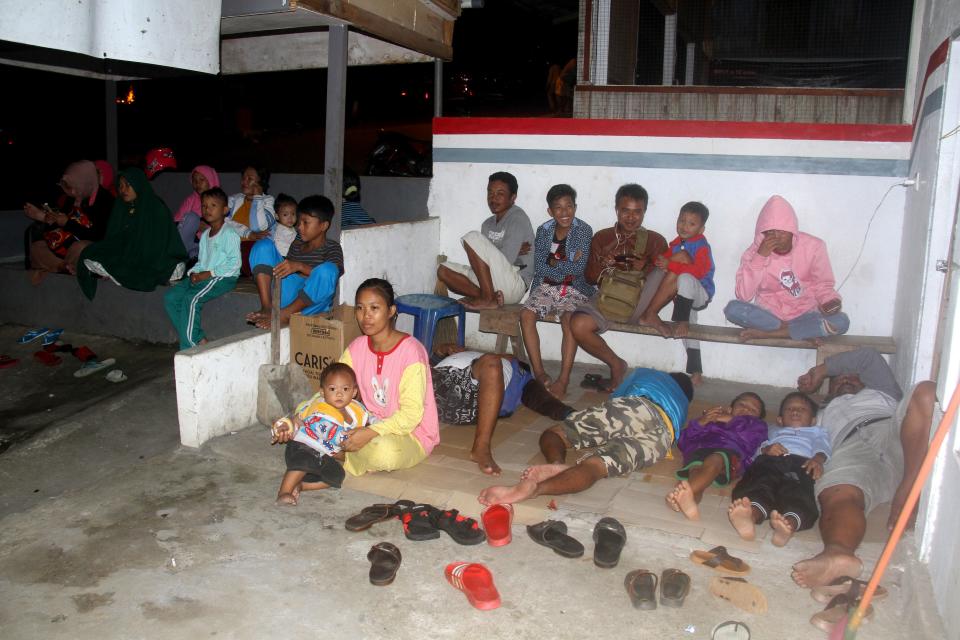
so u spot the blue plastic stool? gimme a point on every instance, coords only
(426, 310)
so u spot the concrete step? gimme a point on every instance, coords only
(115, 311)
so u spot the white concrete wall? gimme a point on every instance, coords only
(834, 185)
(175, 33)
(930, 214)
(217, 384)
(405, 253)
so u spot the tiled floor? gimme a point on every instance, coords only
(449, 478)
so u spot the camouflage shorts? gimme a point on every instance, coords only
(627, 433)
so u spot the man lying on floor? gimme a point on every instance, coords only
(471, 387)
(633, 429)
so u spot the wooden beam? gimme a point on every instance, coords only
(387, 29)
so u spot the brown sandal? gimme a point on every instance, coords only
(718, 558)
(384, 560)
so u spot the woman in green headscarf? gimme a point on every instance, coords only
(141, 247)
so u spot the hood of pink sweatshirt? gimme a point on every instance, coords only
(777, 213)
(789, 285)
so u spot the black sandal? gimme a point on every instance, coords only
(385, 561)
(375, 513)
(610, 537)
(553, 534)
(417, 523)
(463, 530)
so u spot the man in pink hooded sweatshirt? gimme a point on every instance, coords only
(785, 282)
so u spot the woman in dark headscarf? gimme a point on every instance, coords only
(77, 218)
(141, 248)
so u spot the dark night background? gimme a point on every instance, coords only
(501, 53)
(501, 56)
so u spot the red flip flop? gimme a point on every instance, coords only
(48, 358)
(6, 361)
(476, 582)
(497, 519)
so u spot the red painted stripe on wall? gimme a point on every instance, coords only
(672, 128)
(937, 58)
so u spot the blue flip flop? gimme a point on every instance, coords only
(32, 335)
(52, 336)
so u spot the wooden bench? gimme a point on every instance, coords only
(505, 322)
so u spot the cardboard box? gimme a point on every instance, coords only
(316, 341)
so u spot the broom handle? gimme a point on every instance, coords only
(854, 622)
(275, 322)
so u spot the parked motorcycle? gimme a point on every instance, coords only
(396, 154)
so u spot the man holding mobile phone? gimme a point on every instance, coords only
(626, 246)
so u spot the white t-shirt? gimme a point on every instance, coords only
(464, 359)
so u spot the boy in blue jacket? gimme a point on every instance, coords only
(684, 274)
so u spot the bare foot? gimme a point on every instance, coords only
(203, 341)
(264, 322)
(617, 373)
(540, 472)
(499, 296)
(37, 276)
(507, 495)
(654, 321)
(287, 499)
(681, 330)
(696, 379)
(253, 316)
(825, 567)
(543, 378)
(558, 389)
(484, 460)
(741, 517)
(681, 499)
(783, 528)
(479, 304)
(896, 506)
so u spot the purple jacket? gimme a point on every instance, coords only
(743, 434)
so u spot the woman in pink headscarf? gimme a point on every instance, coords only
(188, 216)
(63, 228)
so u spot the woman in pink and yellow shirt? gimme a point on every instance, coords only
(393, 372)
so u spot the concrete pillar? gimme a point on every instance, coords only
(669, 47)
(336, 104)
(111, 139)
(437, 88)
(691, 59)
(601, 42)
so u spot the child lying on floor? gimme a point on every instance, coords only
(315, 431)
(716, 450)
(779, 484)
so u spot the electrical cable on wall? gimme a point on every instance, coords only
(906, 183)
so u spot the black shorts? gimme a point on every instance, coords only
(317, 466)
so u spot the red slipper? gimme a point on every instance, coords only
(476, 582)
(497, 519)
(84, 353)
(6, 361)
(48, 358)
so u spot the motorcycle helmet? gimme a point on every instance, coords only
(159, 159)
